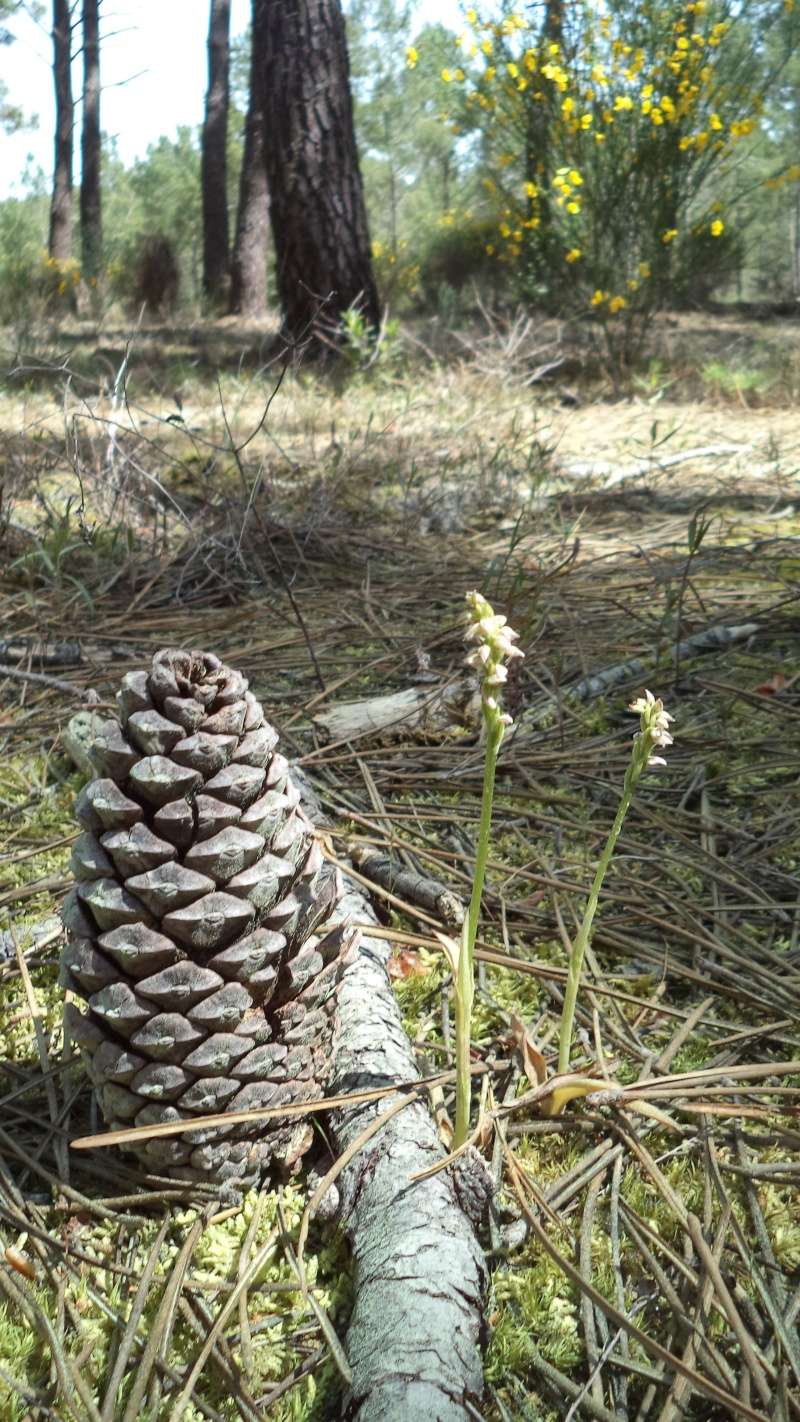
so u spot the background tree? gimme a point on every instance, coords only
(60, 240)
(319, 222)
(91, 198)
(216, 253)
(249, 265)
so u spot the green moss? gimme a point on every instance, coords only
(534, 1304)
(275, 1315)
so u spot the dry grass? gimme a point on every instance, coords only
(322, 557)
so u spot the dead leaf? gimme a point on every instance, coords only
(775, 684)
(406, 964)
(532, 1059)
(21, 1262)
(564, 1089)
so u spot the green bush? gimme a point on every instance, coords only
(23, 229)
(460, 252)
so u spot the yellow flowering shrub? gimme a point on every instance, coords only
(609, 139)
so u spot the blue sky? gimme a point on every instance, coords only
(153, 67)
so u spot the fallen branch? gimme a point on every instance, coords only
(436, 708)
(711, 639)
(610, 474)
(408, 884)
(414, 1341)
(426, 708)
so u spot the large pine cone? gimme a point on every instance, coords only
(191, 929)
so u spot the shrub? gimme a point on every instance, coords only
(155, 273)
(460, 252)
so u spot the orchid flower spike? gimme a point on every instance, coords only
(495, 647)
(653, 726)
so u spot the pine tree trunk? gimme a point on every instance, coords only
(319, 222)
(91, 201)
(249, 267)
(216, 259)
(60, 240)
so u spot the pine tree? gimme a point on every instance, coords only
(319, 222)
(216, 253)
(60, 241)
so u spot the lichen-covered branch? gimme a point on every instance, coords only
(414, 1341)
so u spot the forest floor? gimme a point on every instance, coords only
(319, 533)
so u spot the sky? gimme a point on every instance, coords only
(153, 72)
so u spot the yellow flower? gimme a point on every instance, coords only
(574, 254)
(587, 120)
(459, 76)
(567, 107)
(411, 57)
(531, 190)
(633, 285)
(669, 235)
(472, 17)
(617, 303)
(623, 101)
(717, 228)
(716, 122)
(644, 270)
(513, 70)
(575, 177)
(598, 298)
(573, 207)
(486, 46)
(447, 76)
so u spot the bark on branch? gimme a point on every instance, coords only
(414, 1341)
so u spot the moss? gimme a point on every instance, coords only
(534, 1303)
(275, 1315)
(419, 994)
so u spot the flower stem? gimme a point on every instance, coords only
(465, 974)
(464, 997)
(635, 768)
(494, 736)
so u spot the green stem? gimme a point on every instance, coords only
(465, 973)
(464, 997)
(494, 735)
(637, 765)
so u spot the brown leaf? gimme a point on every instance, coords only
(406, 964)
(775, 684)
(532, 1059)
(21, 1262)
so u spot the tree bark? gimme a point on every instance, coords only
(91, 199)
(216, 254)
(319, 222)
(249, 267)
(60, 240)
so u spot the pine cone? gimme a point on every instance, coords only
(191, 931)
